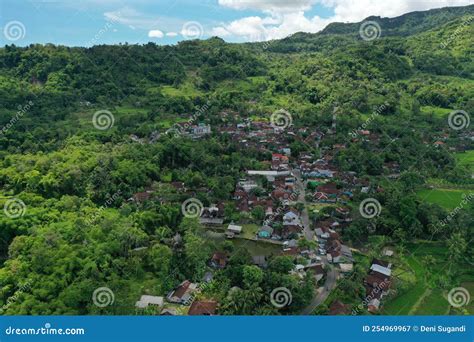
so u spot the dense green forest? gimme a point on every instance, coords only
(75, 227)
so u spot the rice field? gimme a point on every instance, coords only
(446, 198)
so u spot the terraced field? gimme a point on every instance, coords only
(446, 198)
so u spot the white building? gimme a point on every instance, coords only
(234, 228)
(384, 270)
(146, 300)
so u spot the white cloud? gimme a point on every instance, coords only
(171, 34)
(131, 17)
(220, 31)
(266, 28)
(269, 5)
(282, 17)
(246, 27)
(353, 11)
(138, 20)
(155, 34)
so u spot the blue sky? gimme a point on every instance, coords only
(90, 22)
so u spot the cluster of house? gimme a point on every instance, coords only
(320, 168)
(183, 295)
(312, 261)
(149, 193)
(246, 199)
(377, 283)
(282, 220)
(189, 129)
(212, 215)
(463, 143)
(328, 184)
(154, 137)
(258, 135)
(330, 245)
(194, 131)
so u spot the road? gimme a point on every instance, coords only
(329, 285)
(332, 274)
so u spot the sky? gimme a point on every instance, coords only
(93, 22)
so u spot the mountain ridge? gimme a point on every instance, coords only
(443, 15)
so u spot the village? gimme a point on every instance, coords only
(297, 205)
(257, 161)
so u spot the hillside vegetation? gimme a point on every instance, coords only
(80, 229)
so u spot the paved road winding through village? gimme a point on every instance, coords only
(329, 285)
(332, 274)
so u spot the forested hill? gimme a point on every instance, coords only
(84, 217)
(339, 35)
(407, 24)
(60, 78)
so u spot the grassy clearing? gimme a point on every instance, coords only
(126, 110)
(416, 281)
(437, 111)
(404, 274)
(407, 301)
(421, 295)
(435, 303)
(122, 115)
(447, 198)
(251, 86)
(466, 159)
(186, 89)
(316, 207)
(439, 183)
(257, 79)
(258, 247)
(402, 304)
(249, 231)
